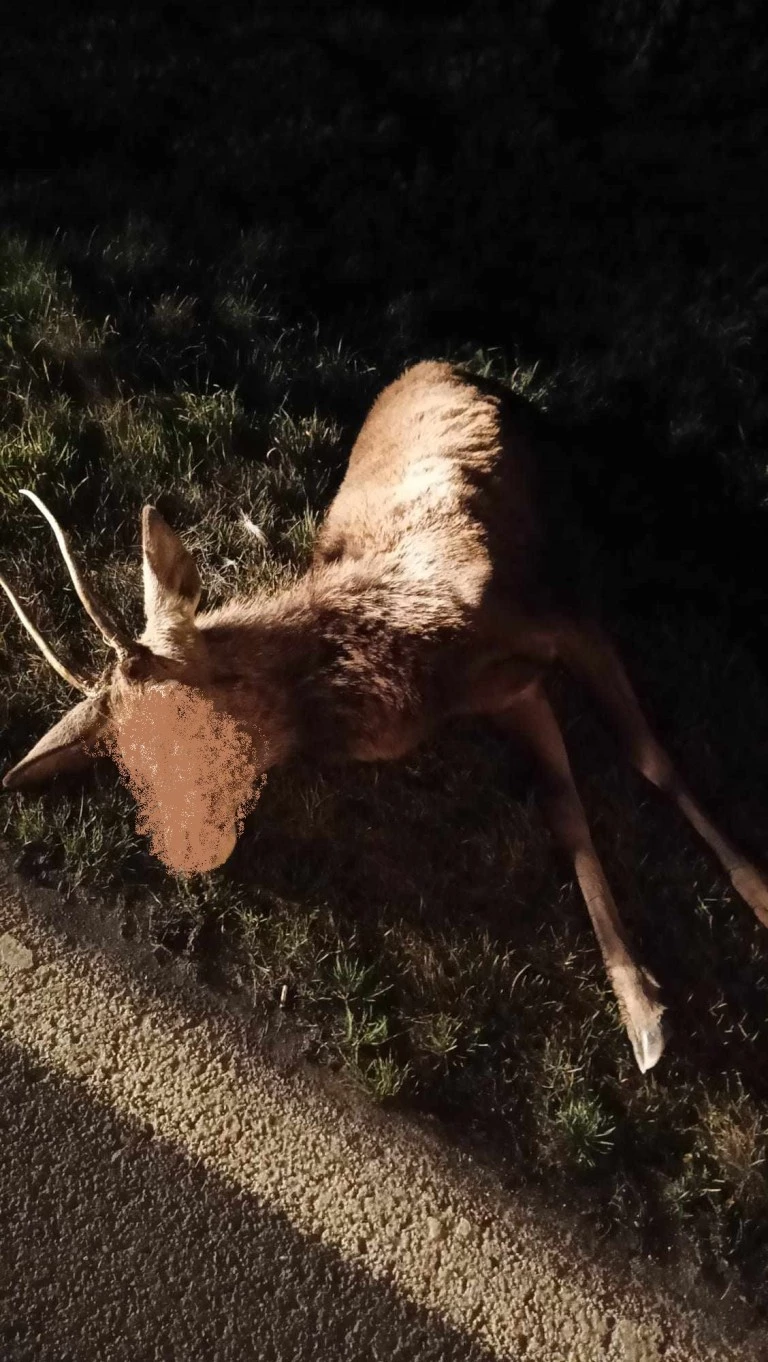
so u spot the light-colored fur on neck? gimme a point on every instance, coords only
(349, 656)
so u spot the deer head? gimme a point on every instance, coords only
(164, 710)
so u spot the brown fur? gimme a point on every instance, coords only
(384, 636)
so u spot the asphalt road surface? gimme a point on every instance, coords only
(168, 1192)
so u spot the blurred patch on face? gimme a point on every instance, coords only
(194, 772)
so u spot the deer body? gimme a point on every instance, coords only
(395, 627)
(425, 600)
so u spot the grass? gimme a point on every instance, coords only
(198, 301)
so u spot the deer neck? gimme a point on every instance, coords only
(341, 664)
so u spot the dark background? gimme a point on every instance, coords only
(579, 186)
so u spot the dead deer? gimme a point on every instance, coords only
(423, 601)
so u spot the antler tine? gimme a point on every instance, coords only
(78, 682)
(114, 636)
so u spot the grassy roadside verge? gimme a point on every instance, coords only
(221, 237)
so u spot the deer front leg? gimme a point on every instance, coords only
(530, 720)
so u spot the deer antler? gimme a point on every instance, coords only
(79, 682)
(111, 633)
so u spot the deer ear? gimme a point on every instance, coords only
(64, 748)
(172, 585)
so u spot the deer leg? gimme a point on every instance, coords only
(530, 720)
(589, 655)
